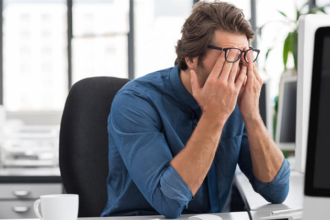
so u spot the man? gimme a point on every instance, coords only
(176, 135)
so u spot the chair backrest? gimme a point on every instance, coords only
(83, 153)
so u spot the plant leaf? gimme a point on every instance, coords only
(294, 47)
(302, 7)
(297, 15)
(323, 11)
(317, 9)
(286, 49)
(267, 53)
(282, 13)
(266, 57)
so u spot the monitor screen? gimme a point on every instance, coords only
(286, 117)
(317, 180)
(288, 120)
(322, 147)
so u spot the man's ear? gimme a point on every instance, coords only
(191, 62)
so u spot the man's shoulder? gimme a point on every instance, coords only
(152, 83)
(142, 98)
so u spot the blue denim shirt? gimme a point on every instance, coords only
(151, 120)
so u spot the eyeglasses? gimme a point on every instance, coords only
(233, 54)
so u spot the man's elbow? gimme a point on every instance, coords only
(171, 208)
(171, 214)
(277, 200)
(278, 196)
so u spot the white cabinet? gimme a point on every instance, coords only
(16, 209)
(20, 187)
(16, 200)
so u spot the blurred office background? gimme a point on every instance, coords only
(48, 45)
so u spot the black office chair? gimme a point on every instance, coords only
(83, 153)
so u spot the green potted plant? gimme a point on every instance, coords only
(290, 46)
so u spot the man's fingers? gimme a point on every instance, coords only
(250, 55)
(217, 67)
(195, 87)
(241, 79)
(243, 57)
(231, 55)
(233, 72)
(250, 75)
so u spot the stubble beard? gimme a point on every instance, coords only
(202, 75)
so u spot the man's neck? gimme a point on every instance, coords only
(185, 79)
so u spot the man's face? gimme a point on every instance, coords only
(224, 40)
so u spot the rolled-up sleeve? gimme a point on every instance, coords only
(135, 127)
(275, 191)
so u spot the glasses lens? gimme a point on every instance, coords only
(251, 56)
(232, 55)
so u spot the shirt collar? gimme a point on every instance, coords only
(180, 92)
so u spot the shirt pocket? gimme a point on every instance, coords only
(227, 155)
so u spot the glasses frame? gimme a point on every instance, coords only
(239, 57)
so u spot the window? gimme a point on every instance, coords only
(157, 29)
(99, 45)
(34, 50)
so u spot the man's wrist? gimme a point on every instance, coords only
(214, 122)
(253, 120)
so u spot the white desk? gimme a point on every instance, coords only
(258, 206)
(256, 202)
(256, 215)
(224, 216)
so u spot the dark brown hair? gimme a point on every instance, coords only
(198, 29)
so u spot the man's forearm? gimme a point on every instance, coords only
(194, 161)
(266, 157)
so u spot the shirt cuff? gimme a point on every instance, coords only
(174, 187)
(275, 191)
(281, 177)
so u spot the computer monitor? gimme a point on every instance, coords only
(308, 25)
(317, 176)
(286, 117)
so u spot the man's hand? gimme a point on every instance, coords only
(267, 158)
(218, 97)
(248, 99)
